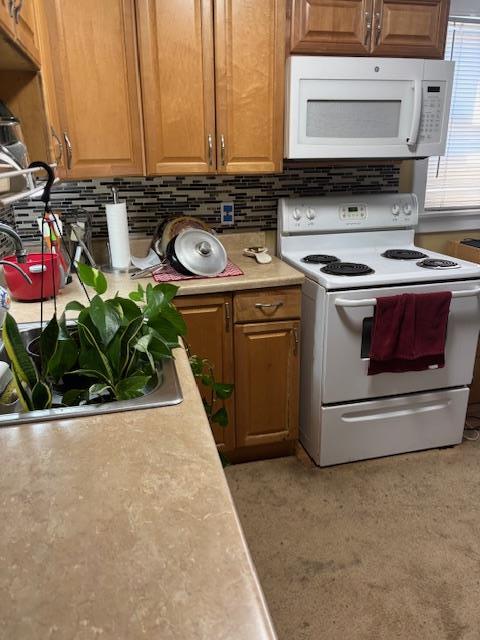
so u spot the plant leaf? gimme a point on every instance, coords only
(98, 389)
(41, 395)
(129, 309)
(169, 291)
(220, 417)
(48, 342)
(175, 318)
(91, 356)
(105, 318)
(66, 353)
(92, 277)
(73, 397)
(132, 387)
(22, 363)
(74, 306)
(22, 392)
(223, 390)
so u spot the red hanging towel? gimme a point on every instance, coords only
(409, 332)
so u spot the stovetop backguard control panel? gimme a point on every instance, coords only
(312, 215)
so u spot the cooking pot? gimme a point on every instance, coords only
(196, 252)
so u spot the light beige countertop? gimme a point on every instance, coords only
(255, 276)
(122, 526)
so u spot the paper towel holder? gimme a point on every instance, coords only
(108, 268)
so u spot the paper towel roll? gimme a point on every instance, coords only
(117, 222)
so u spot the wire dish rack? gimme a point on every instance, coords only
(36, 192)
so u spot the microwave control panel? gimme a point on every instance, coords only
(433, 100)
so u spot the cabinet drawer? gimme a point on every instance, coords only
(266, 304)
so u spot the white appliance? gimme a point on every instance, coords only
(366, 107)
(346, 414)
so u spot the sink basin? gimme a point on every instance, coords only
(166, 392)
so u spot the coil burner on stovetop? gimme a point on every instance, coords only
(319, 258)
(403, 254)
(437, 263)
(347, 269)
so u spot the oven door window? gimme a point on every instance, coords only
(367, 327)
(355, 112)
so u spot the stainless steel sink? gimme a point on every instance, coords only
(166, 392)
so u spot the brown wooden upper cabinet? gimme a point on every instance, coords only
(402, 28)
(17, 19)
(96, 87)
(212, 83)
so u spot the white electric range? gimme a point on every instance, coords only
(353, 250)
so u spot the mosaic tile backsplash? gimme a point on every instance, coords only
(152, 200)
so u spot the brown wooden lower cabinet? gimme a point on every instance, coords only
(261, 358)
(210, 335)
(266, 382)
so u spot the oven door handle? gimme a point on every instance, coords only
(371, 302)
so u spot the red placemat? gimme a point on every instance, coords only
(168, 273)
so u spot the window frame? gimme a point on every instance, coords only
(431, 220)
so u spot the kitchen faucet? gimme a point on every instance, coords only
(20, 252)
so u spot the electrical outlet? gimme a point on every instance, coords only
(227, 213)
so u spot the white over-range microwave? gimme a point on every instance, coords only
(366, 107)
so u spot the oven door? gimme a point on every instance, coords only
(347, 343)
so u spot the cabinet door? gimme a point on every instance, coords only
(177, 71)
(331, 26)
(410, 28)
(97, 89)
(6, 17)
(25, 27)
(266, 382)
(210, 335)
(249, 74)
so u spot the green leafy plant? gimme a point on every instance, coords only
(110, 353)
(218, 392)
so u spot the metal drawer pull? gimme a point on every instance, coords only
(379, 18)
(210, 150)
(227, 316)
(295, 337)
(69, 150)
(368, 28)
(16, 10)
(222, 150)
(371, 302)
(58, 157)
(268, 305)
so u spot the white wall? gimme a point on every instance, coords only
(465, 8)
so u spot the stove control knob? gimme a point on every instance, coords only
(311, 214)
(395, 209)
(407, 209)
(297, 214)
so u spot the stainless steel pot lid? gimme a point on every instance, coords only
(200, 252)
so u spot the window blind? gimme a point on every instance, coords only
(453, 180)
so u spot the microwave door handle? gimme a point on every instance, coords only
(417, 111)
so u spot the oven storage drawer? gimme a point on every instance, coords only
(373, 429)
(347, 333)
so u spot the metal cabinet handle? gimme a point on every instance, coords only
(227, 316)
(59, 154)
(368, 28)
(11, 8)
(68, 144)
(222, 150)
(17, 10)
(210, 150)
(378, 17)
(296, 341)
(268, 305)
